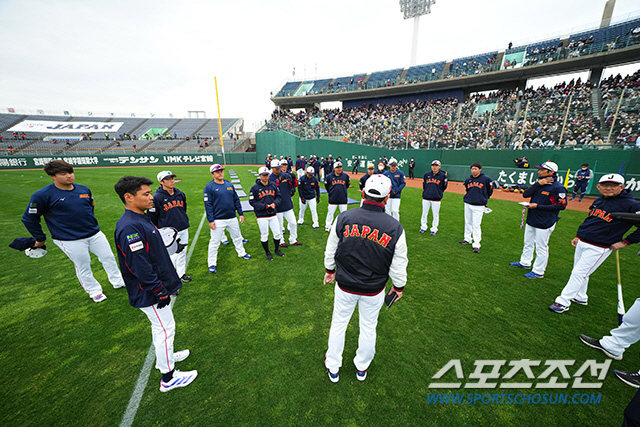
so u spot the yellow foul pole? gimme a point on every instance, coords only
(566, 179)
(224, 161)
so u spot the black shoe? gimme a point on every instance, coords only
(594, 343)
(185, 278)
(629, 378)
(269, 256)
(279, 253)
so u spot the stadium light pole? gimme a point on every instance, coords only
(414, 9)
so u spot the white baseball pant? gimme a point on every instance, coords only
(472, 220)
(292, 224)
(538, 237)
(313, 207)
(626, 334)
(330, 212)
(266, 223)
(426, 205)
(78, 253)
(179, 260)
(586, 260)
(368, 308)
(393, 208)
(217, 235)
(163, 330)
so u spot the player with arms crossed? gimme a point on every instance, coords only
(597, 236)
(398, 183)
(265, 197)
(548, 198)
(309, 191)
(68, 210)
(150, 276)
(337, 183)
(434, 183)
(479, 190)
(287, 185)
(365, 248)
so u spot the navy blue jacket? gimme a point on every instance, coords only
(144, 261)
(169, 210)
(299, 164)
(363, 180)
(551, 199)
(69, 214)
(337, 188)
(262, 195)
(600, 229)
(433, 185)
(221, 201)
(479, 190)
(308, 188)
(287, 185)
(584, 174)
(327, 165)
(397, 182)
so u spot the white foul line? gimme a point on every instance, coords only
(143, 377)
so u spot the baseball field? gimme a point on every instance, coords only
(258, 330)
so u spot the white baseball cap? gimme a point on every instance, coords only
(310, 169)
(377, 186)
(275, 163)
(393, 161)
(164, 175)
(216, 167)
(370, 166)
(612, 177)
(436, 163)
(263, 171)
(336, 164)
(549, 166)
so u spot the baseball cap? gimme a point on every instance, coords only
(310, 169)
(393, 161)
(336, 164)
(370, 166)
(377, 186)
(549, 166)
(436, 162)
(275, 163)
(612, 177)
(216, 167)
(263, 171)
(164, 175)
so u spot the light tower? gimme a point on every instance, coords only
(414, 9)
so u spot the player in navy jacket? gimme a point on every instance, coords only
(479, 190)
(170, 210)
(397, 185)
(309, 191)
(582, 180)
(287, 184)
(265, 198)
(364, 178)
(597, 237)
(434, 183)
(336, 183)
(548, 198)
(149, 276)
(68, 210)
(327, 166)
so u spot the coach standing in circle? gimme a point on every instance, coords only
(365, 248)
(170, 210)
(68, 210)
(337, 183)
(434, 183)
(287, 185)
(479, 190)
(548, 198)
(397, 185)
(264, 196)
(309, 191)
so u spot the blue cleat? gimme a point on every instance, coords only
(361, 375)
(246, 256)
(334, 377)
(212, 269)
(245, 241)
(517, 264)
(558, 308)
(226, 242)
(532, 275)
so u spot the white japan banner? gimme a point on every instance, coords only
(47, 126)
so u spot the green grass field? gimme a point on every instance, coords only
(258, 330)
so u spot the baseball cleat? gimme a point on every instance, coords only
(476, 250)
(433, 233)
(327, 229)
(283, 245)
(577, 301)
(558, 308)
(464, 242)
(594, 343)
(212, 269)
(316, 228)
(180, 379)
(571, 199)
(518, 264)
(629, 378)
(422, 230)
(119, 286)
(296, 243)
(245, 241)
(300, 223)
(186, 278)
(361, 375)
(269, 256)
(245, 256)
(279, 252)
(334, 377)
(226, 242)
(99, 298)
(532, 275)
(179, 356)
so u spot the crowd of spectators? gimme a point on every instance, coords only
(545, 117)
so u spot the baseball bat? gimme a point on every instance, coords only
(620, 300)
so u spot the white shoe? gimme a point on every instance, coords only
(119, 286)
(179, 356)
(99, 298)
(180, 379)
